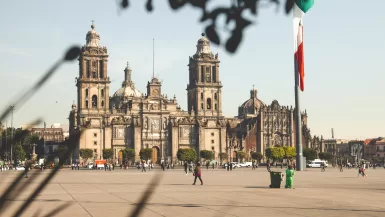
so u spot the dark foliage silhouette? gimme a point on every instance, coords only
(234, 13)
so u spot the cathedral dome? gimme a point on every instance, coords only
(128, 88)
(127, 91)
(252, 105)
(203, 46)
(92, 38)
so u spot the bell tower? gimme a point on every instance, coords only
(204, 91)
(93, 83)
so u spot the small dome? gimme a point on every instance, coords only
(127, 91)
(252, 105)
(203, 46)
(92, 38)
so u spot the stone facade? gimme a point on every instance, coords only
(259, 126)
(130, 119)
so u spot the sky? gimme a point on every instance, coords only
(344, 44)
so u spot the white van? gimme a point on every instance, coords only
(317, 163)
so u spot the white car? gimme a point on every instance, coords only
(317, 164)
(246, 164)
(20, 167)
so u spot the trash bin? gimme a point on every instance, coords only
(275, 178)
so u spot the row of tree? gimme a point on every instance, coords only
(188, 154)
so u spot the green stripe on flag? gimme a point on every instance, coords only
(304, 5)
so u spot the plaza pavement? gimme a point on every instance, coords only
(241, 192)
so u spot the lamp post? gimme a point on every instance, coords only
(12, 108)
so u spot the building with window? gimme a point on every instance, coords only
(131, 119)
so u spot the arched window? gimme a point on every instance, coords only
(94, 101)
(215, 96)
(216, 107)
(102, 103)
(201, 95)
(86, 92)
(94, 75)
(86, 103)
(102, 92)
(208, 103)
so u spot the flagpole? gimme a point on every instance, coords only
(298, 122)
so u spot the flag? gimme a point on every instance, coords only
(299, 58)
(299, 10)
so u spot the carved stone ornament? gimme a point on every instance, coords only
(121, 120)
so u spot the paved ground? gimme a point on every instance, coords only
(242, 192)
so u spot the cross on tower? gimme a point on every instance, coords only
(253, 86)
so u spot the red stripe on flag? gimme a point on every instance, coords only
(299, 55)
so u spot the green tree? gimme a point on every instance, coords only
(186, 154)
(326, 156)
(28, 142)
(241, 155)
(290, 153)
(207, 154)
(309, 153)
(86, 153)
(145, 153)
(223, 156)
(129, 154)
(257, 156)
(60, 152)
(18, 153)
(274, 153)
(108, 153)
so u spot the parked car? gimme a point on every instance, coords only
(317, 163)
(246, 164)
(20, 167)
(235, 165)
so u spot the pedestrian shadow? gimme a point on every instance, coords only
(260, 187)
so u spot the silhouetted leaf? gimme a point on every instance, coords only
(149, 5)
(124, 3)
(176, 4)
(289, 5)
(252, 5)
(212, 34)
(199, 3)
(241, 23)
(72, 53)
(234, 41)
(205, 16)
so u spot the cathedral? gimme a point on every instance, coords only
(131, 119)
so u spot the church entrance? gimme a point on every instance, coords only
(120, 157)
(155, 154)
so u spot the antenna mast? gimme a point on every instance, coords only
(153, 58)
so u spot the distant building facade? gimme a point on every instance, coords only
(52, 137)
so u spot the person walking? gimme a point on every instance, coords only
(363, 172)
(26, 171)
(198, 173)
(143, 166)
(253, 165)
(185, 167)
(289, 177)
